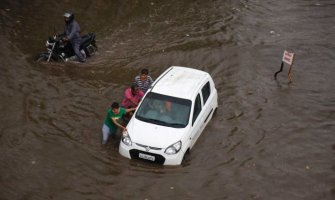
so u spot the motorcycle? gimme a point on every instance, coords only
(61, 50)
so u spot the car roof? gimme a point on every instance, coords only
(182, 82)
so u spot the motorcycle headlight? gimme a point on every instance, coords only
(173, 149)
(126, 138)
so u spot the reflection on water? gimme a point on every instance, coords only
(267, 140)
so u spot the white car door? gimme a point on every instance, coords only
(207, 99)
(203, 110)
(197, 120)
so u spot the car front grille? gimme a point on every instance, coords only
(145, 146)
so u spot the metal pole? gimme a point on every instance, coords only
(281, 69)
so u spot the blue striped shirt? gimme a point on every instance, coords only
(143, 85)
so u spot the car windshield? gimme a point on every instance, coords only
(164, 110)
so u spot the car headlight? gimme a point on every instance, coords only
(126, 138)
(173, 149)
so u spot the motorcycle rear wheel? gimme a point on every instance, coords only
(90, 50)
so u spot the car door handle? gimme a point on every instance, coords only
(208, 115)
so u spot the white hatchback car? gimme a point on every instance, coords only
(171, 116)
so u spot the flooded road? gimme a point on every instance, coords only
(268, 140)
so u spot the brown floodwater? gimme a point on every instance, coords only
(269, 139)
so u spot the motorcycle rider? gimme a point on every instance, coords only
(72, 34)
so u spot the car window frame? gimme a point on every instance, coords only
(196, 115)
(205, 95)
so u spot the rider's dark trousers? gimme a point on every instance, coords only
(76, 47)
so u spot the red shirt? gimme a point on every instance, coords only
(130, 100)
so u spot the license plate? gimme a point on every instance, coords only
(147, 157)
